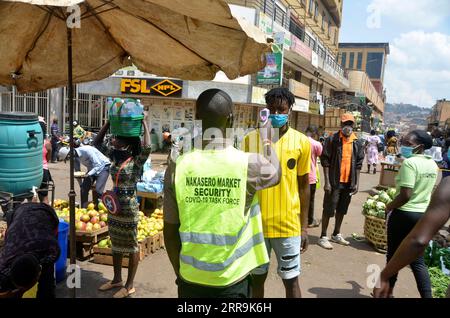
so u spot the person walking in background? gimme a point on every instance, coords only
(46, 158)
(414, 182)
(342, 159)
(316, 151)
(214, 244)
(445, 164)
(127, 161)
(414, 245)
(284, 207)
(372, 151)
(392, 141)
(56, 136)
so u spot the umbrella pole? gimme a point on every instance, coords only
(73, 259)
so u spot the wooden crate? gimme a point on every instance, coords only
(156, 200)
(89, 237)
(156, 242)
(104, 255)
(85, 242)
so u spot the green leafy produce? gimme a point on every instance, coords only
(384, 197)
(381, 206)
(392, 193)
(439, 282)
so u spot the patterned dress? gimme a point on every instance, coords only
(372, 151)
(123, 227)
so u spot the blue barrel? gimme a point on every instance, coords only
(21, 142)
(61, 264)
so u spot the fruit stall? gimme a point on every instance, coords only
(150, 238)
(91, 226)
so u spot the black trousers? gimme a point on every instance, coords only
(311, 203)
(241, 289)
(47, 284)
(399, 225)
(55, 148)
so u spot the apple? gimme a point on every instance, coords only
(94, 220)
(91, 206)
(96, 227)
(102, 207)
(79, 225)
(85, 218)
(102, 224)
(89, 227)
(93, 213)
(104, 217)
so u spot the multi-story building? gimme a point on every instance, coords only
(308, 31)
(368, 57)
(365, 64)
(440, 113)
(311, 38)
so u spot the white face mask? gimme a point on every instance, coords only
(347, 130)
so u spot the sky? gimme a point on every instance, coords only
(418, 31)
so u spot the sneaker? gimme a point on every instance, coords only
(339, 239)
(325, 243)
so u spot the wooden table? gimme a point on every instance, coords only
(85, 242)
(156, 198)
(388, 173)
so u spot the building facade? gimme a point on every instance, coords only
(368, 57)
(440, 113)
(365, 64)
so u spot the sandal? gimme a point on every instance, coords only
(315, 223)
(123, 292)
(109, 285)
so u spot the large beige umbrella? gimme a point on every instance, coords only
(43, 45)
(188, 39)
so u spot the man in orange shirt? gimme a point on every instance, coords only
(341, 159)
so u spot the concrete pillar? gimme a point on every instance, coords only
(56, 96)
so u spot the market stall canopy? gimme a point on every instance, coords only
(190, 40)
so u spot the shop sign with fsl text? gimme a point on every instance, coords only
(152, 86)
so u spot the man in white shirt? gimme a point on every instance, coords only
(98, 171)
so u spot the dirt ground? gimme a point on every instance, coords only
(339, 273)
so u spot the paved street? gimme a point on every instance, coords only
(340, 272)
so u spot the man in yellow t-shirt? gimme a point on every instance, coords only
(284, 222)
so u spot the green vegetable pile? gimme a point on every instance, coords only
(439, 281)
(376, 205)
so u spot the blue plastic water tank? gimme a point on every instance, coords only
(21, 141)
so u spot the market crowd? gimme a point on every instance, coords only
(226, 208)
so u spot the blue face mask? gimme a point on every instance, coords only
(279, 120)
(407, 152)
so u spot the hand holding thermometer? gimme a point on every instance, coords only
(265, 129)
(264, 116)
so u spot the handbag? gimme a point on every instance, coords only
(110, 198)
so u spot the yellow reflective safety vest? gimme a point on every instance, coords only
(221, 240)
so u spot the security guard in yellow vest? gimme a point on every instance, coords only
(212, 222)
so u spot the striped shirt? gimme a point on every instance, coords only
(280, 205)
